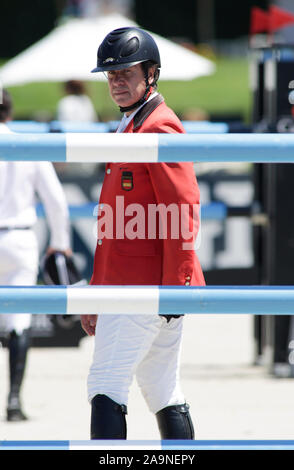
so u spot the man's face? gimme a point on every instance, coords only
(127, 86)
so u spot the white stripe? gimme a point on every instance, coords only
(117, 300)
(115, 445)
(111, 147)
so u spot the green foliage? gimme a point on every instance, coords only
(225, 92)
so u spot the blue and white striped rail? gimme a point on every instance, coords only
(62, 300)
(203, 127)
(149, 444)
(212, 211)
(81, 147)
(33, 127)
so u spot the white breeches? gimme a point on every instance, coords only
(145, 346)
(18, 266)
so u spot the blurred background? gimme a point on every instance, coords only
(217, 30)
(238, 56)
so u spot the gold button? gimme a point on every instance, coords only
(108, 171)
(187, 283)
(99, 242)
(188, 278)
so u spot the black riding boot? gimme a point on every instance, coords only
(175, 422)
(108, 419)
(18, 346)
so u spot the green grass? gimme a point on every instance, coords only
(226, 91)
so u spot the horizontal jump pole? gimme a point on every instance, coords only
(212, 211)
(204, 127)
(152, 148)
(147, 445)
(63, 300)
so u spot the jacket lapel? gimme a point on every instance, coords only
(143, 113)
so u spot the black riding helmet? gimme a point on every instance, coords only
(125, 47)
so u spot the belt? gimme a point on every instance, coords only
(15, 228)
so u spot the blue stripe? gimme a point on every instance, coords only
(40, 299)
(226, 148)
(229, 445)
(177, 446)
(33, 147)
(212, 211)
(90, 127)
(205, 127)
(86, 210)
(232, 443)
(273, 300)
(34, 445)
(30, 127)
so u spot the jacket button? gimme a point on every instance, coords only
(99, 242)
(187, 283)
(108, 171)
(188, 278)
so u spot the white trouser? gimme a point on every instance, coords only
(146, 346)
(18, 266)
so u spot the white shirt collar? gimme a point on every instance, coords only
(127, 119)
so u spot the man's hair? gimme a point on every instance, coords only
(146, 66)
(5, 106)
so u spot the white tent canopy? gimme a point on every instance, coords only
(69, 52)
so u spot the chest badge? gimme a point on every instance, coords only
(127, 182)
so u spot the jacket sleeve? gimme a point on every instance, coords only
(51, 194)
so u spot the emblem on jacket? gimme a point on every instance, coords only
(127, 182)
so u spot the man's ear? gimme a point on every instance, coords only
(151, 74)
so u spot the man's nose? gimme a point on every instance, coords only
(119, 76)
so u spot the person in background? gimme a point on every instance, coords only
(19, 182)
(76, 105)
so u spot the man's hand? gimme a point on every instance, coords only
(50, 250)
(88, 323)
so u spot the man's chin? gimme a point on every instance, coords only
(121, 99)
(123, 103)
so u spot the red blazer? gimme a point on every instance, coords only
(128, 191)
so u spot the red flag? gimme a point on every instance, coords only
(259, 20)
(278, 18)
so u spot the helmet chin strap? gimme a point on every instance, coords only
(142, 100)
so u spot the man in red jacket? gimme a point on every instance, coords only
(154, 247)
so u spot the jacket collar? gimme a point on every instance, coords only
(146, 110)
